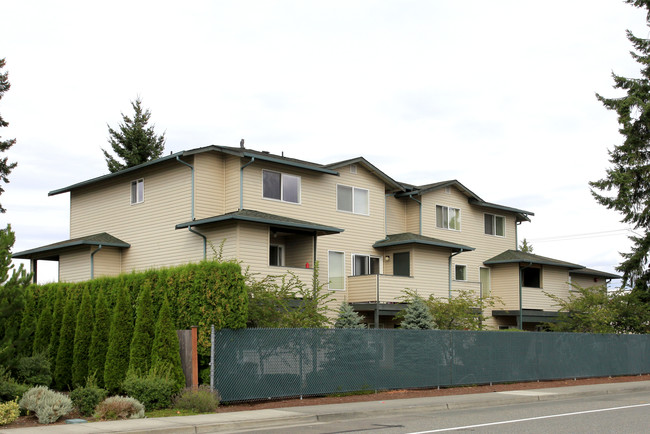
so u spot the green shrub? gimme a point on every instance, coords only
(9, 412)
(119, 340)
(57, 318)
(64, 355)
(201, 400)
(165, 351)
(10, 389)
(154, 391)
(143, 335)
(99, 340)
(43, 331)
(82, 337)
(35, 370)
(119, 407)
(86, 399)
(47, 404)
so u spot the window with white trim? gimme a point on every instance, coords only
(352, 199)
(280, 186)
(495, 225)
(137, 191)
(447, 217)
(276, 255)
(336, 270)
(364, 264)
(461, 272)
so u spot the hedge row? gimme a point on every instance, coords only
(72, 321)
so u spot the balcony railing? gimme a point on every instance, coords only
(377, 287)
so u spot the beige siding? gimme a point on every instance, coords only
(232, 171)
(149, 226)
(74, 266)
(412, 214)
(585, 281)
(209, 188)
(554, 281)
(505, 285)
(396, 215)
(107, 261)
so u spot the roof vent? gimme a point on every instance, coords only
(353, 169)
(265, 152)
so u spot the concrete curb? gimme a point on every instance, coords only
(332, 412)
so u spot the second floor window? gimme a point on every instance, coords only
(352, 199)
(280, 186)
(137, 191)
(495, 225)
(363, 265)
(447, 218)
(461, 272)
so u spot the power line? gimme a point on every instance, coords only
(599, 234)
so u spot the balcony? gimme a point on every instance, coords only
(373, 288)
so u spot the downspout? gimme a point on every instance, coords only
(205, 239)
(92, 262)
(241, 183)
(521, 309)
(451, 256)
(386, 213)
(420, 203)
(517, 235)
(377, 306)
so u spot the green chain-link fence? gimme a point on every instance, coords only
(252, 364)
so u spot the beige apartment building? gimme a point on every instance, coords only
(372, 236)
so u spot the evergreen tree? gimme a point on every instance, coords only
(65, 353)
(57, 319)
(43, 331)
(5, 166)
(628, 178)
(28, 324)
(12, 300)
(82, 340)
(348, 318)
(417, 316)
(165, 352)
(99, 340)
(525, 246)
(143, 334)
(134, 143)
(119, 340)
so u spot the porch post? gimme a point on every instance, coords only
(377, 305)
(33, 268)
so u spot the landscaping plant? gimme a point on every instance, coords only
(47, 404)
(119, 407)
(200, 400)
(9, 412)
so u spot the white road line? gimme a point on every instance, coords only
(530, 418)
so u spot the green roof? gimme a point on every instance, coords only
(52, 250)
(253, 216)
(518, 257)
(598, 273)
(501, 207)
(411, 238)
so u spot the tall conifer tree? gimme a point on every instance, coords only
(119, 342)
(5, 166)
(82, 339)
(626, 187)
(165, 352)
(64, 355)
(99, 340)
(143, 334)
(43, 330)
(133, 142)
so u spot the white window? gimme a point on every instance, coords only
(495, 225)
(137, 191)
(352, 199)
(364, 264)
(276, 255)
(280, 186)
(447, 218)
(336, 268)
(461, 272)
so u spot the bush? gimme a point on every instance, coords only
(9, 411)
(47, 404)
(119, 341)
(155, 391)
(35, 370)
(10, 389)
(201, 400)
(119, 407)
(85, 399)
(165, 350)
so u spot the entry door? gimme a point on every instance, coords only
(485, 282)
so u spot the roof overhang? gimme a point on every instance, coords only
(266, 219)
(411, 238)
(52, 251)
(372, 169)
(595, 273)
(519, 257)
(528, 315)
(522, 215)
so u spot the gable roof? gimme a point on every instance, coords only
(52, 250)
(598, 273)
(372, 169)
(249, 215)
(411, 238)
(240, 152)
(519, 257)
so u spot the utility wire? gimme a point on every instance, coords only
(599, 234)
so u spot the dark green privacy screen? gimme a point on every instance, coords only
(252, 364)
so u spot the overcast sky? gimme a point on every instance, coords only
(499, 95)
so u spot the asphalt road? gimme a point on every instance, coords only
(614, 413)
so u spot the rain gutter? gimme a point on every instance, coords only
(205, 239)
(451, 256)
(241, 182)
